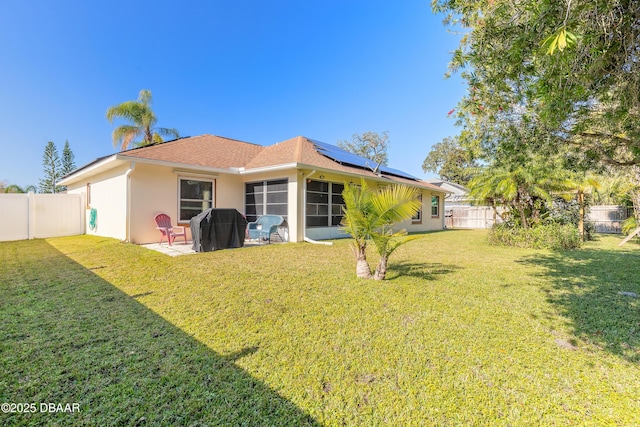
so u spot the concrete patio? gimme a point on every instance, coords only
(180, 248)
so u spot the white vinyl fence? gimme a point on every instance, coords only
(29, 216)
(607, 219)
(471, 217)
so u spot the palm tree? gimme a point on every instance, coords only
(518, 188)
(14, 188)
(370, 216)
(357, 222)
(613, 190)
(582, 185)
(392, 205)
(143, 120)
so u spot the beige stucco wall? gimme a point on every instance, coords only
(428, 223)
(154, 190)
(108, 197)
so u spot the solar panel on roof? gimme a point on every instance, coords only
(345, 157)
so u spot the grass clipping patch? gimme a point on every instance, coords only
(549, 236)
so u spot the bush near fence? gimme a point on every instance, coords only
(550, 236)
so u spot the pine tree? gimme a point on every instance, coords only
(68, 162)
(52, 169)
(68, 159)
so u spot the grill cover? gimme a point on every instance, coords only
(216, 229)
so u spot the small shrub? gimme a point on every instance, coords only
(549, 236)
(629, 225)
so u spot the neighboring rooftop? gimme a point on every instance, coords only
(452, 187)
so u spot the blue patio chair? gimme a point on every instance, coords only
(264, 227)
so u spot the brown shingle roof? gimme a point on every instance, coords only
(204, 150)
(224, 153)
(281, 153)
(302, 151)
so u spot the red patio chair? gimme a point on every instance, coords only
(163, 223)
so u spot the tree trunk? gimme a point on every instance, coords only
(381, 269)
(523, 217)
(519, 203)
(635, 196)
(581, 219)
(495, 212)
(363, 271)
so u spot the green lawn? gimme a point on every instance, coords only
(462, 333)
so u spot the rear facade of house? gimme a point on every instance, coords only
(300, 179)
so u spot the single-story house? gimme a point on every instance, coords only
(300, 179)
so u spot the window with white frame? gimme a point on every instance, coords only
(324, 203)
(195, 196)
(266, 197)
(417, 218)
(435, 206)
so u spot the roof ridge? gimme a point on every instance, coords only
(298, 153)
(232, 139)
(185, 138)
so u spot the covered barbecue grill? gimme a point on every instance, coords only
(216, 229)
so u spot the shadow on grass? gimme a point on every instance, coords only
(588, 288)
(420, 270)
(69, 336)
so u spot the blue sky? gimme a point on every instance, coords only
(256, 70)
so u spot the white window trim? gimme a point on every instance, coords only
(438, 206)
(417, 218)
(195, 178)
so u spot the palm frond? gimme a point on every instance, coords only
(124, 136)
(395, 203)
(386, 245)
(356, 220)
(14, 188)
(144, 96)
(141, 116)
(128, 110)
(170, 132)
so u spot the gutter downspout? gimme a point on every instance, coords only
(304, 212)
(128, 207)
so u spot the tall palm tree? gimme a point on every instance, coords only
(143, 121)
(370, 215)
